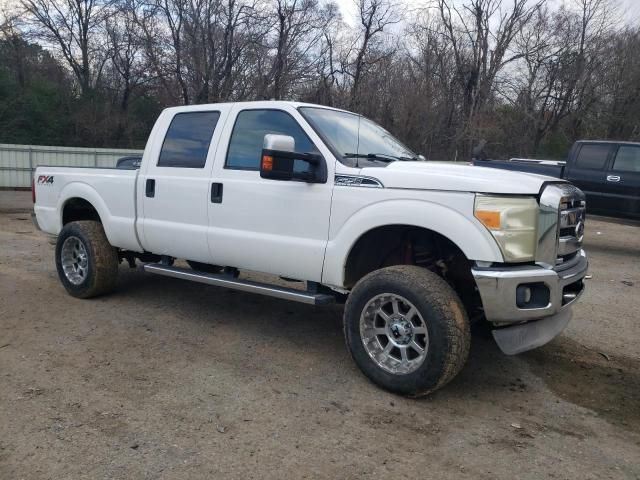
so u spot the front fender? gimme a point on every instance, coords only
(463, 230)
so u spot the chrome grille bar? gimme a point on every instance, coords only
(567, 246)
(560, 223)
(571, 216)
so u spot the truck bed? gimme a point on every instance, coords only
(110, 190)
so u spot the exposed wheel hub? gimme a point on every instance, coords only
(401, 331)
(394, 334)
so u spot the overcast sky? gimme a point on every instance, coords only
(629, 9)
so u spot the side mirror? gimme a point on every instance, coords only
(278, 159)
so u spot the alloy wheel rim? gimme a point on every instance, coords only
(74, 260)
(394, 334)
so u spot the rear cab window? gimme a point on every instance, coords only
(186, 143)
(593, 156)
(247, 138)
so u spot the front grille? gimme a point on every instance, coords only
(572, 211)
(560, 224)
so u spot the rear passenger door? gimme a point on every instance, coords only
(622, 183)
(175, 184)
(588, 172)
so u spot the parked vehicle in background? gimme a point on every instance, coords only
(607, 172)
(130, 163)
(419, 250)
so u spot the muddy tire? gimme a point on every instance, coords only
(87, 264)
(204, 267)
(407, 330)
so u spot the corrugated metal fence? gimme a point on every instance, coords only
(17, 162)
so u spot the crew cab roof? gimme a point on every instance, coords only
(253, 104)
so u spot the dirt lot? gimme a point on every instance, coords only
(168, 379)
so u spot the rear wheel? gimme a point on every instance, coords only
(87, 264)
(406, 329)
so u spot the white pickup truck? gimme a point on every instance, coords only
(418, 250)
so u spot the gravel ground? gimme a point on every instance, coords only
(168, 379)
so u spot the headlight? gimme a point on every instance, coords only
(512, 221)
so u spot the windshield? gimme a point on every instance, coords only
(357, 140)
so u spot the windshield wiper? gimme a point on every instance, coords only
(384, 157)
(373, 156)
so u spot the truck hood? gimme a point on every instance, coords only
(457, 177)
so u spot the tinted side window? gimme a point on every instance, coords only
(187, 141)
(247, 138)
(627, 159)
(593, 157)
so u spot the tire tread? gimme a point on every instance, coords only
(105, 260)
(444, 299)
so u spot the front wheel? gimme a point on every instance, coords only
(406, 329)
(87, 264)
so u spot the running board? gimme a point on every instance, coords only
(222, 280)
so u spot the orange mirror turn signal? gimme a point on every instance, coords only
(267, 162)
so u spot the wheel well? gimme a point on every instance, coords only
(79, 209)
(409, 245)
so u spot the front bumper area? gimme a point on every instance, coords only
(521, 329)
(527, 336)
(502, 299)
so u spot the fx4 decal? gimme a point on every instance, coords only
(45, 179)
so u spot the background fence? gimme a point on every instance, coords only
(17, 162)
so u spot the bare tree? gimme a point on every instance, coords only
(434, 106)
(198, 45)
(125, 51)
(527, 76)
(232, 42)
(73, 28)
(623, 79)
(217, 34)
(162, 25)
(332, 58)
(298, 27)
(543, 92)
(481, 33)
(593, 21)
(563, 56)
(374, 16)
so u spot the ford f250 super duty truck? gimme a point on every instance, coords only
(417, 250)
(608, 172)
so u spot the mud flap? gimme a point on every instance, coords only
(520, 338)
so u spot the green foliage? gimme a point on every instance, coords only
(34, 105)
(555, 146)
(143, 113)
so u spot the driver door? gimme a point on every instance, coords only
(264, 225)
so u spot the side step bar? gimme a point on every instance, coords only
(221, 280)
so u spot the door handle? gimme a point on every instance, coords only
(613, 178)
(150, 188)
(216, 193)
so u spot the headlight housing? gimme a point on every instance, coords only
(513, 223)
